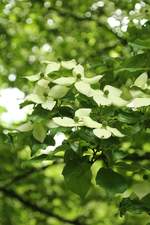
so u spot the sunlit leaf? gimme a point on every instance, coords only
(25, 127)
(39, 132)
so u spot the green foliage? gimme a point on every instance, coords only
(77, 174)
(111, 181)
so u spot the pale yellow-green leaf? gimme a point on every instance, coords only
(52, 67)
(141, 81)
(66, 81)
(39, 132)
(93, 80)
(102, 133)
(115, 131)
(38, 99)
(139, 102)
(69, 64)
(25, 127)
(84, 88)
(82, 112)
(58, 91)
(64, 121)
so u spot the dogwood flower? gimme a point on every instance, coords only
(84, 119)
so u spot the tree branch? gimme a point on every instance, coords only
(35, 207)
(136, 157)
(27, 173)
(80, 18)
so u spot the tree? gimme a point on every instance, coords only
(91, 88)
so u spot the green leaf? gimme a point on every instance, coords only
(135, 205)
(146, 202)
(137, 63)
(25, 127)
(39, 132)
(77, 175)
(111, 181)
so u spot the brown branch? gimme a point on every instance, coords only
(36, 208)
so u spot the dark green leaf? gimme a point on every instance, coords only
(111, 181)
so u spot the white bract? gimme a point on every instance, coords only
(69, 64)
(114, 96)
(51, 67)
(106, 132)
(33, 78)
(60, 86)
(81, 119)
(82, 83)
(141, 81)
(84, 119)
(139, 102)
